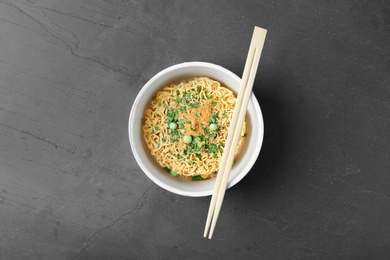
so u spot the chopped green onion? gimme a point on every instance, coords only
(213, 148)
(196, 178)
(187, 139)
(194, 105)
(170, 171)
(213, 127)
(182, 122)
(173, 173)
(172, 115)
(214, 118)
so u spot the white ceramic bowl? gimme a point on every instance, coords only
(148, 163)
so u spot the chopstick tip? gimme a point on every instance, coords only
(259, 28)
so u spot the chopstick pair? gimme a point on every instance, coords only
(248, 77)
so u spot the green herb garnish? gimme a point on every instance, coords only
(196, 178)
(213, 127)
(212, 136)
(213, 148)
(183, 109)
(214, 118)
(173, 173)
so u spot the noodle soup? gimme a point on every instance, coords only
(186, 127)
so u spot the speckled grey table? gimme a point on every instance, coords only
(71, 189)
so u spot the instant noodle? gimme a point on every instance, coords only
(186, 127)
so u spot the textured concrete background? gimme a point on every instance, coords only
(71, 189)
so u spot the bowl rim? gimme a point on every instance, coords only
(137, 156)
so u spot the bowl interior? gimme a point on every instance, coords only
(148, 163)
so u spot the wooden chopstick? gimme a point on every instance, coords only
(239, 112)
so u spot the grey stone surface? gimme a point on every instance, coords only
(71, 189)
